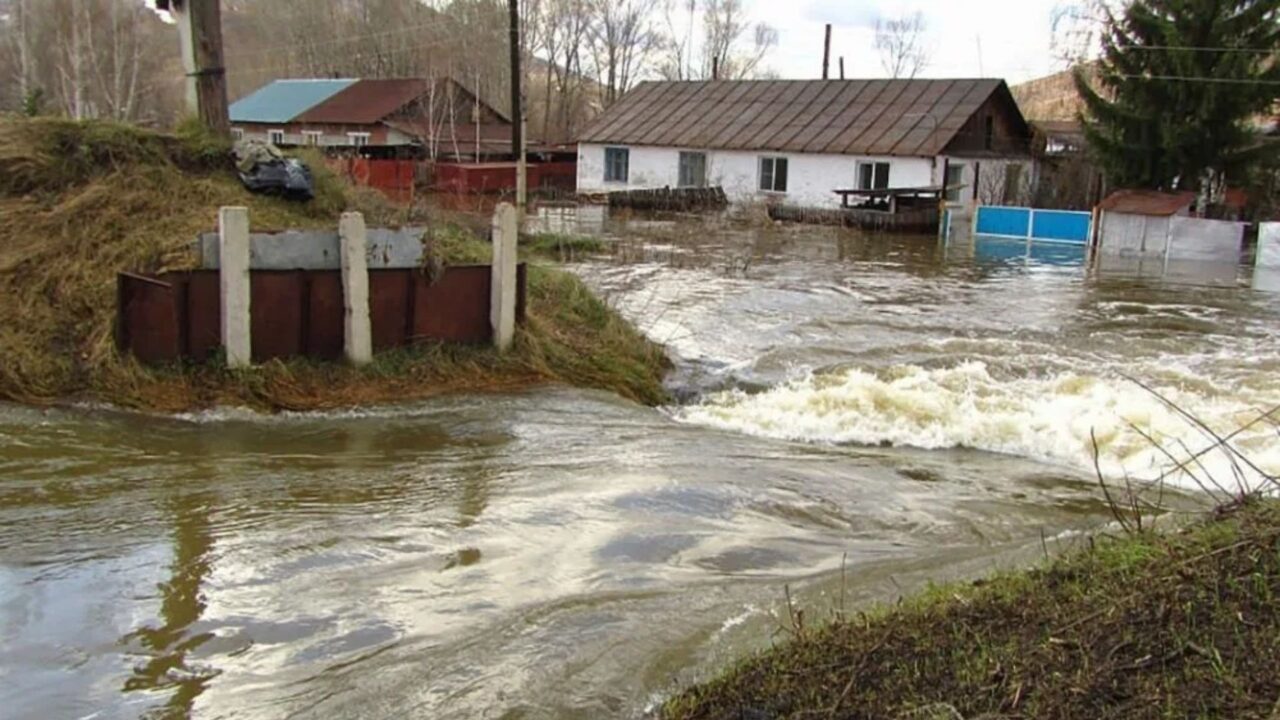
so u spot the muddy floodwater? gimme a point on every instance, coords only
(856, 415)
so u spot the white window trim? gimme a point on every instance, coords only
(888, 180)
(626, 180)
(760, 174)
(354, 136)
(237, 133)
(706, 181)
(312, 137)
(273, 134)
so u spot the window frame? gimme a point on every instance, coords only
(237, 134)
(359, 139)
(772, 174)
(312, 138)
(273, 134)
(680, 169)
(624, 153)
(874, 166)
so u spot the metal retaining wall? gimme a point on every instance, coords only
(299, 313)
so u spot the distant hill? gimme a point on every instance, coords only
(1052, 98)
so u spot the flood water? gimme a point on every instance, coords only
(857, 415)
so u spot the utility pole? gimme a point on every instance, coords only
(841, 67)
(517, 106)
(200, 34)
(826, 54)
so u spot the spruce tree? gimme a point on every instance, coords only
(1180, 82)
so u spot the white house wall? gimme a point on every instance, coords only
(811, 178)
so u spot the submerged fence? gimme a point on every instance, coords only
(1031, 224)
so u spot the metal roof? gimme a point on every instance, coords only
(283, 100)
(366, 102)
(915, 118)
(1147, 202)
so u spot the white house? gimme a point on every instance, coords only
(798, 141)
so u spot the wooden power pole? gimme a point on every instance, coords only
(826, 54)
(200, 32)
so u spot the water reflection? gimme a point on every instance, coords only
(164, 651)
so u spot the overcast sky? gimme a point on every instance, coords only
(1015, 36)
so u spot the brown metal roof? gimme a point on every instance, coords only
(366, 102)
(1147, 202)
(916, 118)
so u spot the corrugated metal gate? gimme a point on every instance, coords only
(299, 313)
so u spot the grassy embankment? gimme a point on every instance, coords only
(1144, 625)
(81, 201)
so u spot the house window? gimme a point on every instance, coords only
(312, 137)
(275, 137)
(954, 181)
(773, 174)
(358, 139)
(237, 134)
(693, 169)
(1012, 184)
(617, 165)
(873, 176)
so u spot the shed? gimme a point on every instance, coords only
(1151, 224)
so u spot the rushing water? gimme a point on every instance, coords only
(859, 414)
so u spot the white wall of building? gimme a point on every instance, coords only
(811, 178)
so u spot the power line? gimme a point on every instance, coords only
(1182, 78)
(1259, 51)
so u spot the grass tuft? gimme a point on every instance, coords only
(565, 248)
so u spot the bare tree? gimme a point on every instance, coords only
(20, 37)
(901, 44)
(1077, 28)
(730, 48)
(622, 40)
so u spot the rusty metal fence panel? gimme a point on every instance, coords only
(177, 316)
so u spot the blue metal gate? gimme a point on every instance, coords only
(1032, 225)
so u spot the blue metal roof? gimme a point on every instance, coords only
(283, 100)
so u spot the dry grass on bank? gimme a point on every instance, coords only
(81, 201)
(1140, 626)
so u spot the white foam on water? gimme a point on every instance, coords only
(1051, 417)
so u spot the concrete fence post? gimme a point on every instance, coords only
(502, 298)
(233, 247)
(357, 326)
